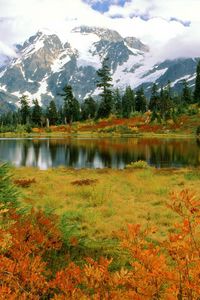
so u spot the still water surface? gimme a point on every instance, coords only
(100, 152)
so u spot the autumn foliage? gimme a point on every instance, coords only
(86, 181)
(25, 243)
(23, 182)
(168, 269)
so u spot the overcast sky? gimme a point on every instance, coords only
(170, 27)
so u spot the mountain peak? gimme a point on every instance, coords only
(135, 43)
(44, 31)
(43, 38)
(40, 35)
(102, 33)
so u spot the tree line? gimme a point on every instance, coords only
(163, 103)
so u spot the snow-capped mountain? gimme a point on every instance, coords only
(44, 65)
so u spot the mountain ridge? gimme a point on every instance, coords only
(44, 64)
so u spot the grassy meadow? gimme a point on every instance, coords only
(94, 204)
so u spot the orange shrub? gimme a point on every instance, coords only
(23, 272)
(23, 182)
(166, 270)
(86, 181)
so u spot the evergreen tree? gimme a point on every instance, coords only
(104, 83)
(154, 103)
(52, 113)
(117, 99)
(24, 110)
(128, 102)
(36, 113)
(168, 91)
(15, 118)
(71, 107)
(88, 108)
(9, 118)
(140, 101)
(197, 85)
(6, 118)
(76, 110)
(186, 94)
(166, 102)
(60, 116)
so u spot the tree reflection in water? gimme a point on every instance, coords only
(198, 142)
(103, 152)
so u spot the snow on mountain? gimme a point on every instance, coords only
(2, 73)
(44, 65)
(186, 77)
(84, 43)
(101, 33)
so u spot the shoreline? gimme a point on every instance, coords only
(97, 135)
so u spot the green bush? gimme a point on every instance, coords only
(135, 114)
(28, 128)
(20, 128)
(121, 129)
(192, 111)
(48, 130)
(140, 164)
(124, 129)
(7, 128)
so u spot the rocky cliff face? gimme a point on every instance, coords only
(44, 65)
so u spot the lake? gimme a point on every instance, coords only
(46, 153)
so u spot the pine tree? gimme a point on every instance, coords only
(154, 103)
(128, 102)
(117, 99)
(104, 83)
(36, 113)
(24, 110)
(71, 107)
(140, 101)
(197, 85)
(52, 113)
(186, 94)
(166, 102)
(88, 108)
(60, 116)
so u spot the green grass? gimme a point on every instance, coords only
(193, 175)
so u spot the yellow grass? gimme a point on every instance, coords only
(116, 198)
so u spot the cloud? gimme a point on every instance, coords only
(180, 9)
(20, 18)
(170, 27)
(186, 44)
(6, 50)
(164, 25)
